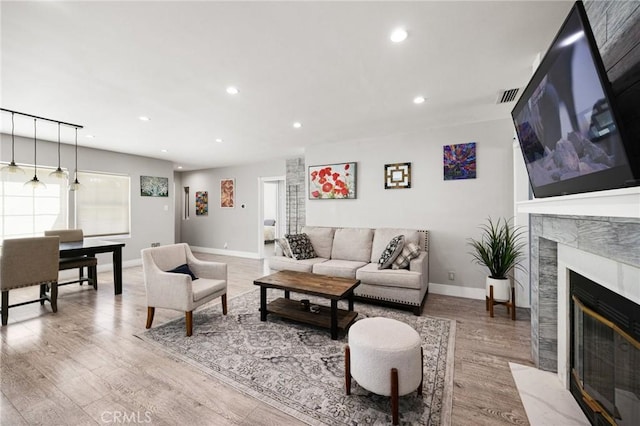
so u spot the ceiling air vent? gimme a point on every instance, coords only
(508, 95)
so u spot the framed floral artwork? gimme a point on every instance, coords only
(332, 181)
(202, 203)
(459, 161)
(151, 186)
(227, 193)
(397, 175)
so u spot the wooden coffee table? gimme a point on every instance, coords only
(318, 285)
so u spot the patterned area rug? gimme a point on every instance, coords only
(299, 370)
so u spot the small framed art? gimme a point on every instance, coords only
(397, 175)
(227, 193)
(202, 203)
(459, 161)
(152, 186)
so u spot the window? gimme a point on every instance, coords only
(103, 204)
(27, 212)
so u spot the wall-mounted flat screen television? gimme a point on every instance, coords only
(566, 119)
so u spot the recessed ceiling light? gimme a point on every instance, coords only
(179, 167)
(297, 125)
(144, 118)
(89, 136)
(232, 90)
(398, 35)
(218, 139)
(163, 150)
(419, 100)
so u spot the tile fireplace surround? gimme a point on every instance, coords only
(604, 249)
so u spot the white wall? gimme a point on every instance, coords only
(450, 210)
(238, 227)
(152, 218)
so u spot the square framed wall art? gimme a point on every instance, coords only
(332, 181)
(202, 203)
(151, 186)
(397, 175)
(459, 161)
(227, 193)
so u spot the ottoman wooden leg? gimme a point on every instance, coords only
(347, 369)
(394, 395)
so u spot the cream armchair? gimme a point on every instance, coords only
(175, 290)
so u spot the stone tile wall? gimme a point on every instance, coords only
(617, 239)
(296, 195)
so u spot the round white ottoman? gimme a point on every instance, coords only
(385, 357)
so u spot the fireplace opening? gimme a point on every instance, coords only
(605, 353)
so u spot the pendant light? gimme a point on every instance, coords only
(75, 186)
(35, 183)
(12, 167)
(58, 173)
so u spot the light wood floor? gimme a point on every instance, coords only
(83, 365)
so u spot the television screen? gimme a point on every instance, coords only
(566, 121)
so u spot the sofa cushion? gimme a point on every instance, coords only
(353, 244)
(389, 254)
(402, 278)
(338, 268)
(409, 251)
(321, 239)
(384, 235)
(281, 263)
(300, 245)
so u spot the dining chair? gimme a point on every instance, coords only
(29, 262)
(175, 279)
(80, 262)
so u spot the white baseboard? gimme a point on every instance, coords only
(457, 291)
(225, 252)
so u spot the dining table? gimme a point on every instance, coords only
(91, 247)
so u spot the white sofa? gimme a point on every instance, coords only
(354, 253)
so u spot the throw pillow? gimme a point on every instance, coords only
(300, 245)
(389, 254)
(184, 269)
(409, 251)
(284, 246)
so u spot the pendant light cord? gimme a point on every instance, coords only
(58, 146)
(35, 151)
(13, 140)
(76, 153)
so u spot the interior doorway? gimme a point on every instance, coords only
(272, 214)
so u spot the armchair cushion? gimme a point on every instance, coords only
(206, 287)
(184, 269)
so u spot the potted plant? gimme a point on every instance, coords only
(500, 249)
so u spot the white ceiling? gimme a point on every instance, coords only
(329, 65)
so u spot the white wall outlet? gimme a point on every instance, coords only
(226, 245)
(452, 276)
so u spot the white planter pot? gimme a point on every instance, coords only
(501, 289)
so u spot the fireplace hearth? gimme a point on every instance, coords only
(604, 353)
